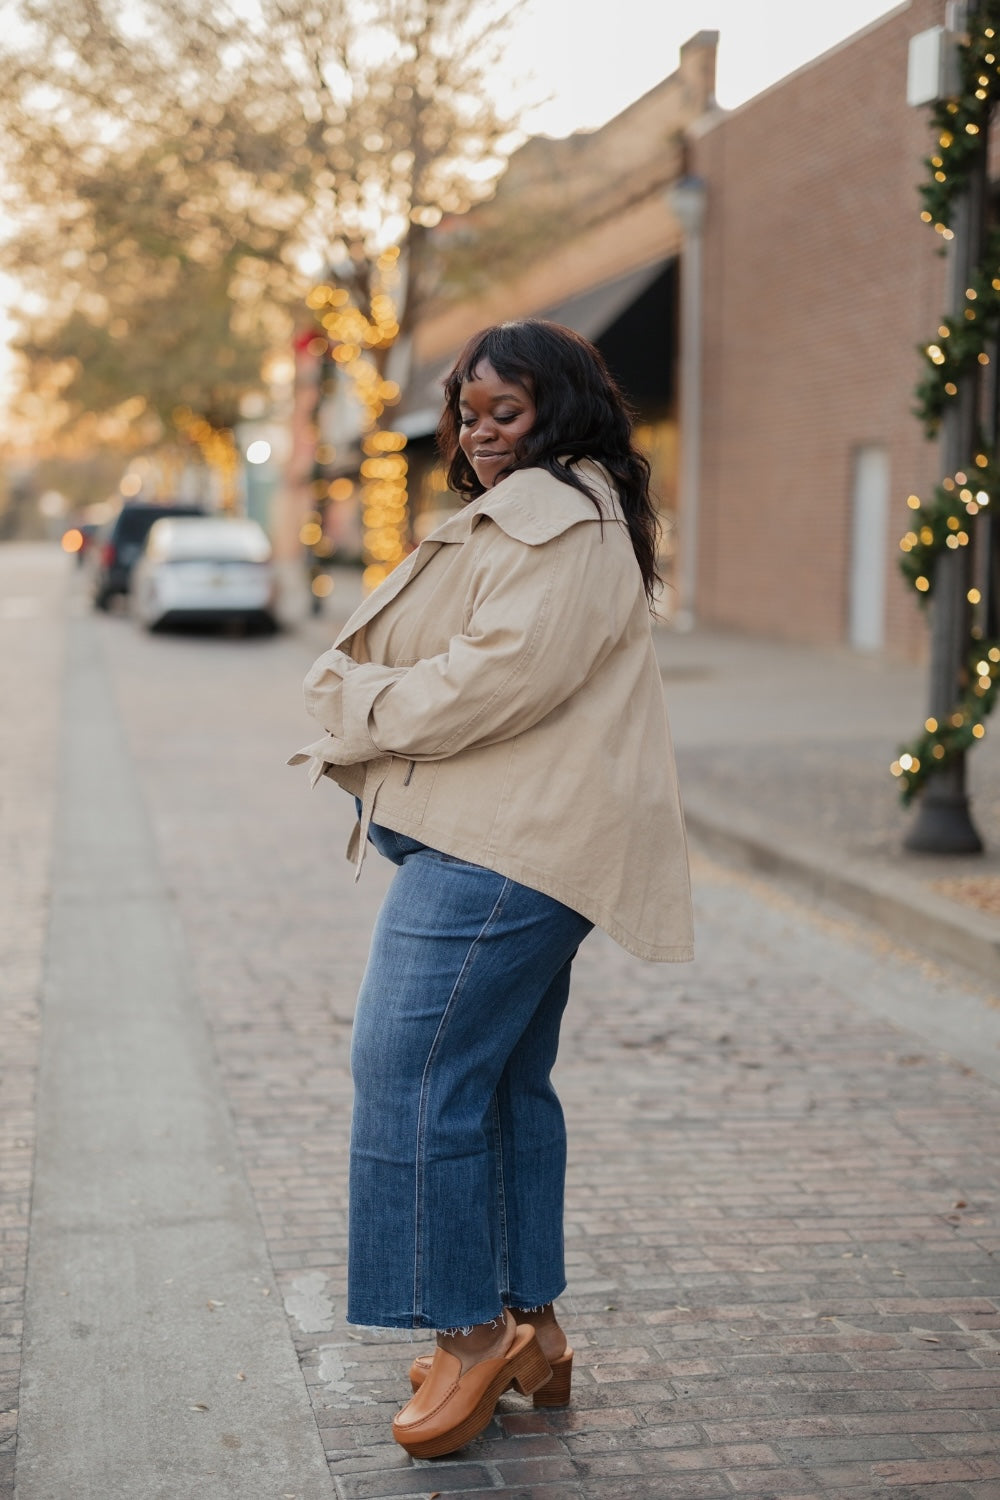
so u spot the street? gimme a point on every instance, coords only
(783, 1188)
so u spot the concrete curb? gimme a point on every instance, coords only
(889, 897)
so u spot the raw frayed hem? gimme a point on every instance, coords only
(451, 1333)
(399, 1334)
(496, 1322)
(373, 1333)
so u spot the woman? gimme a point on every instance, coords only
(496, 708)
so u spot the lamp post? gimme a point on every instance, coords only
(943, 824)
(688, 200)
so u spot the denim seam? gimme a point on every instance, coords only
(424, 1088)
(501, 1195)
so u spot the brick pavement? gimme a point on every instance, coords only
(782, 1209)
(784, 754)
(782, 1222)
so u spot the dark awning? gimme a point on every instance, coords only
(593, 314)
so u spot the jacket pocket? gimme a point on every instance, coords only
(407, 787)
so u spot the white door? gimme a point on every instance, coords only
(869, 539)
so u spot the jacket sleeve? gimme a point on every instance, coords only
(543, 617)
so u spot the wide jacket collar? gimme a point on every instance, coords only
(530, 505)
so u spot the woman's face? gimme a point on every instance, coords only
(493, 414)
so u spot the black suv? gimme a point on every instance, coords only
(118, 551)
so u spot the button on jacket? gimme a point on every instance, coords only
(498, 698)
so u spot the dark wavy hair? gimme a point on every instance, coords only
(580, 413)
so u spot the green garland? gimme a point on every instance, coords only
(945, 521)
(962, 122)
(940, 743)
(963, 346)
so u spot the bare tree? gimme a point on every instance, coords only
(398, 103)
(169, 167)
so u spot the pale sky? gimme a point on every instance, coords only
(595, 56)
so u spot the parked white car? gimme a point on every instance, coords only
(206, 568)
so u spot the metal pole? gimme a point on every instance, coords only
(687, 200)
(943, 824)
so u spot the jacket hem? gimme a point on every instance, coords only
(537, 880)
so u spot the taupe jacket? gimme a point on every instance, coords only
(498, 698)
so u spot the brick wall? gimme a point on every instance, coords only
(820, 280)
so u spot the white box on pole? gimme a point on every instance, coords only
(932, 72)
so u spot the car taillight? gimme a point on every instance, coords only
(108, 555)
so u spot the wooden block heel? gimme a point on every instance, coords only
(556, 1390)
(533, 1371)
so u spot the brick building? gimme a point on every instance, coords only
(819, 282)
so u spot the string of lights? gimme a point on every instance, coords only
(963, 348)
(218, 449)
(353, 339)
(961, 123)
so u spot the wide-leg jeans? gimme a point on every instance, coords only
(458, 1143)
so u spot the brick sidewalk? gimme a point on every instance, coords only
(782, 1212)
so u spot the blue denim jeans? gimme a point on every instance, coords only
(458, 1145)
